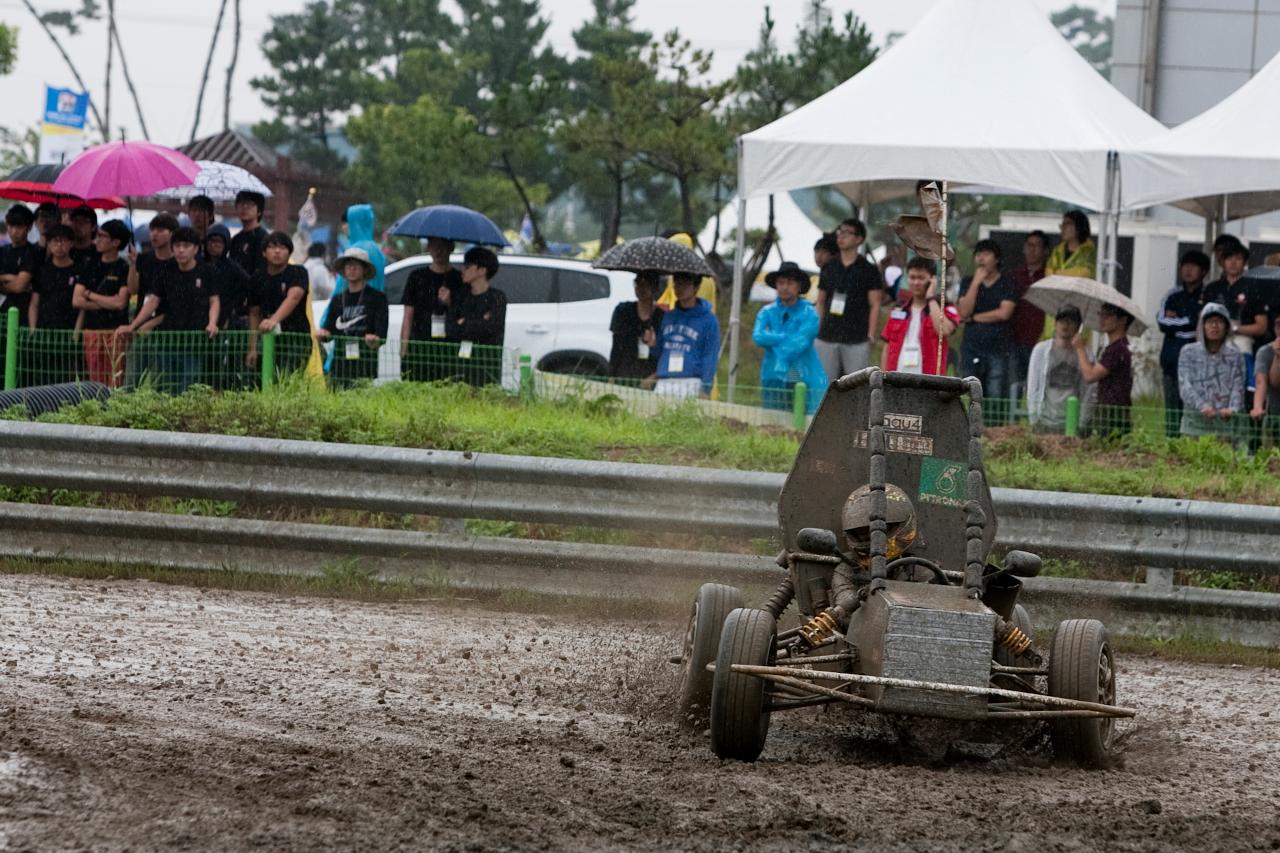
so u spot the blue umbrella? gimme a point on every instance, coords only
(450, 222)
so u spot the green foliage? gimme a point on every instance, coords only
(8, 48)
(392, 171)
(68, 19)
(18, 148)
(1089, 32)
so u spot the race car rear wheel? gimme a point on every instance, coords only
(739, 720)
(712, 605)
(1081, 666)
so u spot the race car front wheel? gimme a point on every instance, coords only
(1081, 666)
(739, 720)
(701, 643)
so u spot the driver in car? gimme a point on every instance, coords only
(900, 529)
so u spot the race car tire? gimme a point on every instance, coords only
(1081, 666)
(739, 719)
(711, 606)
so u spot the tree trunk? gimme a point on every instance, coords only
(715, 237)
(128, 80)
(539, 242)
(66, 58)
(106, 80)
(208, 64)
(614, 224)
(686, 205)
(231, 70)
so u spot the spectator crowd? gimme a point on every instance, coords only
(86, 295)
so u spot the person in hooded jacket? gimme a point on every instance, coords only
(688, 343)
(361, 235)
(1211, 376)
(785, 331)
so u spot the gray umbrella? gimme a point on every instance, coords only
(653, 253)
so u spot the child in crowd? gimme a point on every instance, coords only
(278, 303)
(356, 321)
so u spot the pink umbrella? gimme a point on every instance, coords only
(127, 169)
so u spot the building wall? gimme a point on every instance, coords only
(1206, 50)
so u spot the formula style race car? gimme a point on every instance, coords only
(909, 618)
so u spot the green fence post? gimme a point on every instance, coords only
(11, 349)
(268, 360)
(1073, 416)
(526, 378)
(798, 405)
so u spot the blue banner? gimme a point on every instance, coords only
(65, 107)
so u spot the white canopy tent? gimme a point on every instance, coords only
(980, 91)
(796, 231)
(1232, 149)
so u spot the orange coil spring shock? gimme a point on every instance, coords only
(818, 628)
(1014, 639)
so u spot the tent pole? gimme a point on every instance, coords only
(735, 308)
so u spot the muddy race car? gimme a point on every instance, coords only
(909, 619)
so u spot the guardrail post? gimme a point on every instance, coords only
(526, 377)
(1162, 578)
(798, 406)
(11, 349)
(268, 360)
(1073, 416)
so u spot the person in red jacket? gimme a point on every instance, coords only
(914, 328)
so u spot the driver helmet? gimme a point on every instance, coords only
(899, 517)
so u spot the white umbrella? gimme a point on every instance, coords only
(218, 181)
(1058, 291)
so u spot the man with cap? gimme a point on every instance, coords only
(1177, 317)
(1113, 372)
(914, 329)
(1053, 375)
(785, 331)
(477, 314)
(356, 321)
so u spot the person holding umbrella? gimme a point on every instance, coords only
(427, 295)
(477, 315)
(786, 331)
(1113, 372)
(634, 326)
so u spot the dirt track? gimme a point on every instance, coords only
(140, 716)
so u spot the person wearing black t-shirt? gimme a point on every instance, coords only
(18, 264)
(103, 301)
(247, 246)
(51, 315)
(356, 321)
(227, 355)
(84, 228)
(190, 301)
(278, 302)
(850, 291)
(635, 326)
(987, 302)
(425, 316)
(477, 316)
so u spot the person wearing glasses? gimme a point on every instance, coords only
(850, 291)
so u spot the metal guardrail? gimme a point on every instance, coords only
(1161, 533)
(1158, 532)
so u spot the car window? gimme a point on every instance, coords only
(579, 286)
(526, 283)
(395, 282)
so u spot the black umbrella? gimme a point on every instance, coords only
(653, 253)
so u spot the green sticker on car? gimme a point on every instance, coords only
(942, 481)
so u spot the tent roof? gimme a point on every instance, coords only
(980, 91)
(1229, 148)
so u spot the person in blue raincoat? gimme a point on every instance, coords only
(360, 235)
(785, 331)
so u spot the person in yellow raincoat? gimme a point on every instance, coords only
(706, 287)
(1076, 254)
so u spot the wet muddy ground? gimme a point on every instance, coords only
(140, 716)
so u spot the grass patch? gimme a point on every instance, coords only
(1189, 647)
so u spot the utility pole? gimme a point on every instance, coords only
(106, 83)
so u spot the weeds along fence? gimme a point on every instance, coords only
(1163, 535)
(240, 360)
